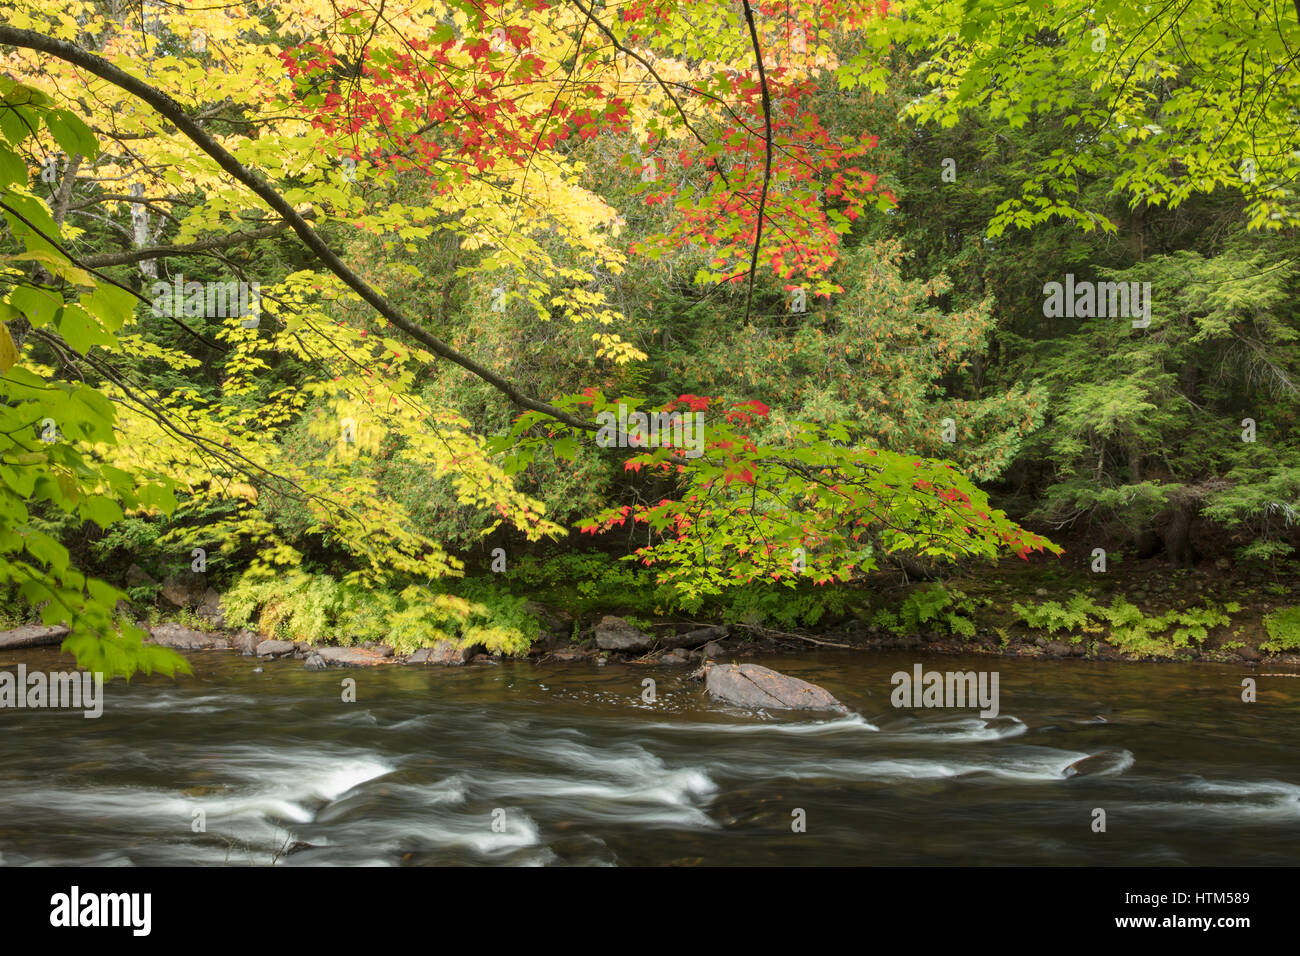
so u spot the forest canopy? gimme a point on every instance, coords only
(340, 296)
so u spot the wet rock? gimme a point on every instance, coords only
(273, 648)
(749, 685)
(447, 653)
(695, 638)
(678, 655)
(712, 649)
(616, 634)
(315, 663)
(32, 635)
(1101, 762)
(185, 589)
(245, 641)
(186, 638)
(1249, 653)
(352, 656)
(572, 655)
(1056, 649)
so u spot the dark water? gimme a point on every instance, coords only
(566, 764)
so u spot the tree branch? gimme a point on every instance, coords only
(173, 111)
(767, 164)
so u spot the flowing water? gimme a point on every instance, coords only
(567, 764)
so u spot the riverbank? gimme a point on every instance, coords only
(615, 640)
(1045, 609)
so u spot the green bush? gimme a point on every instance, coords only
(934, 605)
(300, 605)
(1130, 630)
(1283, 629)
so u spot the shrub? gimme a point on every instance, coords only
(1283, 629)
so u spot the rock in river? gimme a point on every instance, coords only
(32, 635)
(185, 638)
(749, 685)
(352, 656)
(272, 648)
(616, 634)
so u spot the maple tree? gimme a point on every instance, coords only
(397, 126)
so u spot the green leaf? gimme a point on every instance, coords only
(72, 135)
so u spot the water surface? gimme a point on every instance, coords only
(567, 764)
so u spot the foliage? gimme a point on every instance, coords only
(55, 436)
(1124, 624)
(1156, 114)
(930, 607)
(1283, 628)
(317, 608)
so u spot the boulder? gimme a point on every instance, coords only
(616, 634)
(137, 577)
(702, 635)
(1102, 762)
(274, 648)
(451, 654)
(712, 649)
(245, 641)
(749, 685)
(352, 656)
(185, 589)
(678, 655)
(32, 635)
(553, 619)
(186, 638)
(315, 663)
(210, 608)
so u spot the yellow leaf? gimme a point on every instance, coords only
(8, 353)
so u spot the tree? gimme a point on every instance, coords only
(456, 121)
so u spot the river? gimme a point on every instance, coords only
(568, 764)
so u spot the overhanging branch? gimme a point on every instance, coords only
(173, 111)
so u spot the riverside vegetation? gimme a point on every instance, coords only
(826, 229)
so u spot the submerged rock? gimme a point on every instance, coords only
(749, 685)
(1104, 761)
